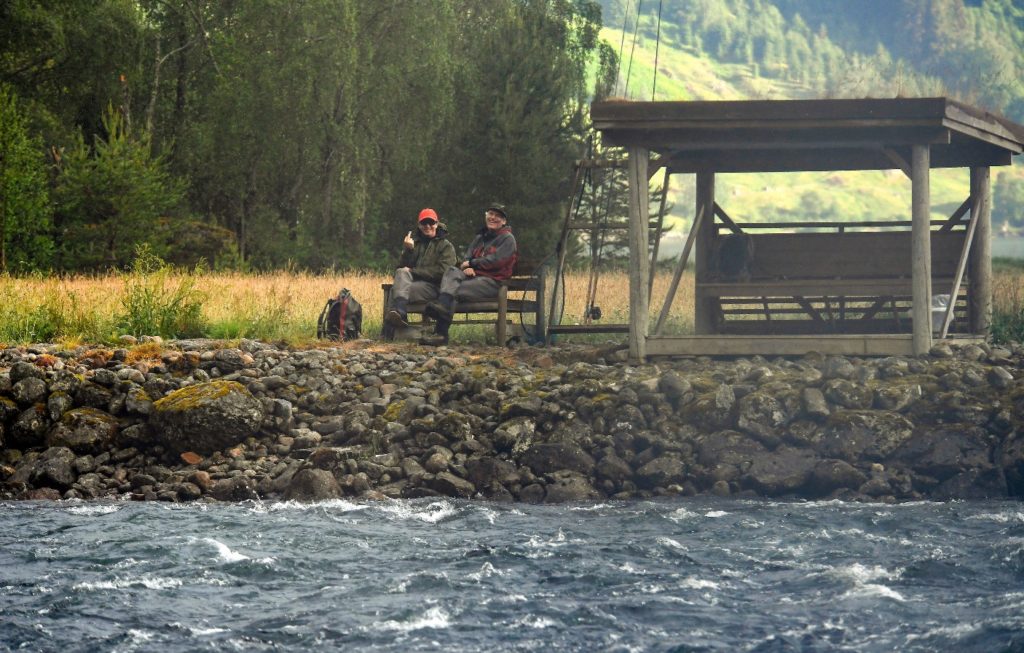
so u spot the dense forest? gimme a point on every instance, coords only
(309, 134)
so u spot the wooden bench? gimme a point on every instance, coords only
(522, 294)
(812, 283)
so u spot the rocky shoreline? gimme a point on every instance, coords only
(209, 421)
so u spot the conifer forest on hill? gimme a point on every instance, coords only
(307, 135)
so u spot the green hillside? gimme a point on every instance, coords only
(688, 72)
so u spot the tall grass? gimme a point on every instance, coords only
(283, 306)
(1008, 301)
(158, 302)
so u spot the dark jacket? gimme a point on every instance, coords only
(429, 257)
(493, 253)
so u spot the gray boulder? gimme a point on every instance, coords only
(550, 457)
(784, 471)
(55, 468)
(761, 414)
(831, 475)
(568, 486)
(312, 485)
(29, 390)
(662, 471)
(853, 435)
(206, 417)
(238, 488)
(515, 435)
(84, 431)
(487, 471)
(450, 485)
(848, 394)
(943, 452)
(29, 428)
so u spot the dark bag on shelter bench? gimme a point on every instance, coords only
(341, 319)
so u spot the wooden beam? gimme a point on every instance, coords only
(768, 110)
(684, 257)
(658, 163)
(875, 308)
(980, 271)
(954, 219)
(921, 253)
(768, 137)
(1004, 141)
(898, 159)
(726, 220)
(806, 305)
(947, 317)
(638, 261)
(825, 160)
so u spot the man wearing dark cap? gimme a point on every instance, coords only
(489, 260)
(425, 257)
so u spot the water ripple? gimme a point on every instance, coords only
(700, 574)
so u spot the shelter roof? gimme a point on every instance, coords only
(792, 135)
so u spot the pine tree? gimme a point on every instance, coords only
(25, 214)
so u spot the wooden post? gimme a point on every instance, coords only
(980, 262)
(921, 250)
(704, 318)
(638, 261)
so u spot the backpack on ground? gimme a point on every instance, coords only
(341, 319)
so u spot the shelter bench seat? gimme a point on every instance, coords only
(811, 283)
(522, 294)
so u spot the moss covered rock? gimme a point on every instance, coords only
(83, 430)
(206, 417)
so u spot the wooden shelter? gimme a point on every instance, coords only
(788, 288)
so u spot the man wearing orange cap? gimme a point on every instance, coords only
(425, 257)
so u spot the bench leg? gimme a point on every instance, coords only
(385, 332)
(500, 327)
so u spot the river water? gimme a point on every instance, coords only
(670, 575)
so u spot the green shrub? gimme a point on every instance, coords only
(158, 304)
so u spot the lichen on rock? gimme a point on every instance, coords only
(206, 417)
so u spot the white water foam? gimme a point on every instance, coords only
(198, 631)
(591, 508)
(629, 568)
(432, 513)
(874, 590)
(716, 514)
(682, 514)
(226, 554)
(957, 631)
(298, 506)
(860, 574)
(536, 542)
(90, 511)
(534, 621)
(999, 517)
(148, 582)
(435, 617)
(486, 571)
(669, 543)
(699, 584)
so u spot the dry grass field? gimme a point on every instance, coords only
(283, 306)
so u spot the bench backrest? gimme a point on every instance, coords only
(849, 255)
